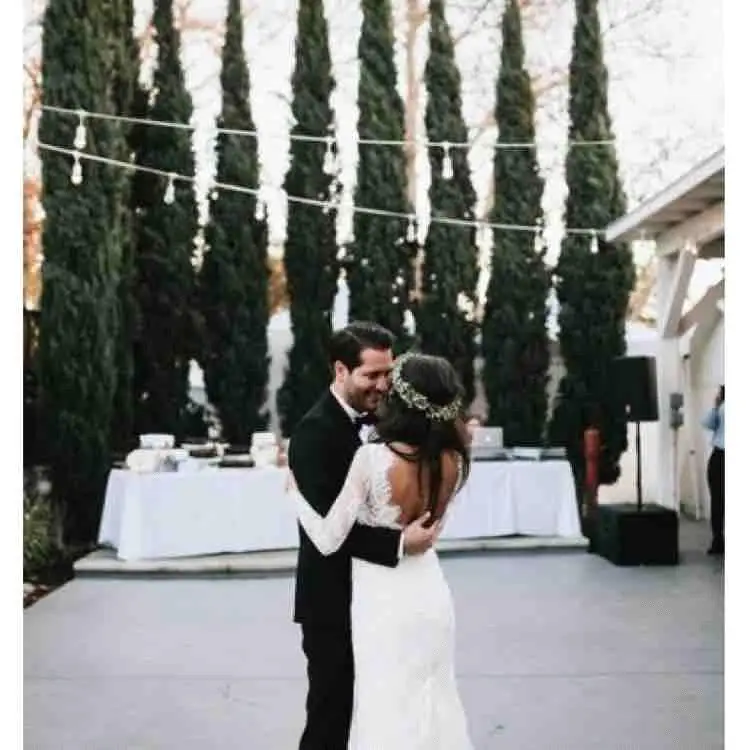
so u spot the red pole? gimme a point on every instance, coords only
(592, 450)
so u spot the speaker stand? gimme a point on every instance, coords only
(639, 466)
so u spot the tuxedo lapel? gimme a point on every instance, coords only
(346, 433)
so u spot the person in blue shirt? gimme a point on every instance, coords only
(715, 422)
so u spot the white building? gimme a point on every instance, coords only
(686, 222)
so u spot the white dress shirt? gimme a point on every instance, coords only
(365, 429)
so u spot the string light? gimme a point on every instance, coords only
(334, 193)
(594, 242)
(411, 231)
(76, 176)
(170, 195)
(538, 241)
(447, 162)
(330, 166)
(80, 132)
(261, 207)
(319, 138)
(260, 210)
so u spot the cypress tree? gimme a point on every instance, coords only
(379, 262)
(311, 266)
(514, 334)
(166, 227)
(82, 240)
(129, 100)
(234, 275)
(594, 280)
(445, 322)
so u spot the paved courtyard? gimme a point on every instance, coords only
(555, 650)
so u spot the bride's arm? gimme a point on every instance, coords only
(329, 532)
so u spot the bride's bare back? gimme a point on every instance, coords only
(411, 492)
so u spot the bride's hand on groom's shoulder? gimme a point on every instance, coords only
(418, 538)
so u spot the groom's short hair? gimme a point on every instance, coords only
(347, 344)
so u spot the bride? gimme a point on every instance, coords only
(406, 696)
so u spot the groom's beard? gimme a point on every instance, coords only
(365, 402)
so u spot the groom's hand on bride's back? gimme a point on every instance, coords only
(418, 538)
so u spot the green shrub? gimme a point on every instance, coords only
(40, 548)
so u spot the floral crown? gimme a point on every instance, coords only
(416, 400)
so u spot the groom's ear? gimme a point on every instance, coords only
(340, 370)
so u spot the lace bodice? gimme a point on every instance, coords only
(365, 498)
(377, 508)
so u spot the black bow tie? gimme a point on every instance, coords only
(364, 419)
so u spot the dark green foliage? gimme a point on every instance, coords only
(32, 447)
(379, 262)
(127, 95)
(165, 276)
(234, 275)
(82, 243)
(592, 289)
(514, 335)
(311, 266)
(449, 274)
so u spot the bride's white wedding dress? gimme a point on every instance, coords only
(406, 696)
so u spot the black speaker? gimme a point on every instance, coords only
(626, 535)
(637, 388)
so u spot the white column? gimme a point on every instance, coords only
(688, 436)
(669, 381)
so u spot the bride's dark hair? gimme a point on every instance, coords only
(436, 385)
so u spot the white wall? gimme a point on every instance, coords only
(625, 489)
(706, 372)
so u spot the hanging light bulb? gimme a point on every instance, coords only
(170, 195)
(80, 132)
(330, 166)
(260, 212)
(447, 161)
(411, 232)
(594, 243)
(76, 176)
(335, 192)
(538, 241)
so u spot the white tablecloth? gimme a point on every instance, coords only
(237, 510)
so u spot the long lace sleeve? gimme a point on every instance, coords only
(329, 532)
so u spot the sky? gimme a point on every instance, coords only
(666, 90)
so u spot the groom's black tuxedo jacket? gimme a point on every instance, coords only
(321, 450)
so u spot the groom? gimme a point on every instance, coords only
(320, 453)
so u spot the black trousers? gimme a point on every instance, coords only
(716, 484)
(328, 650)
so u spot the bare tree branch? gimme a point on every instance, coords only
(477, 15)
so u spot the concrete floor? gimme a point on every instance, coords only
(554, 650)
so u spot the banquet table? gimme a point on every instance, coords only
(227, 510)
